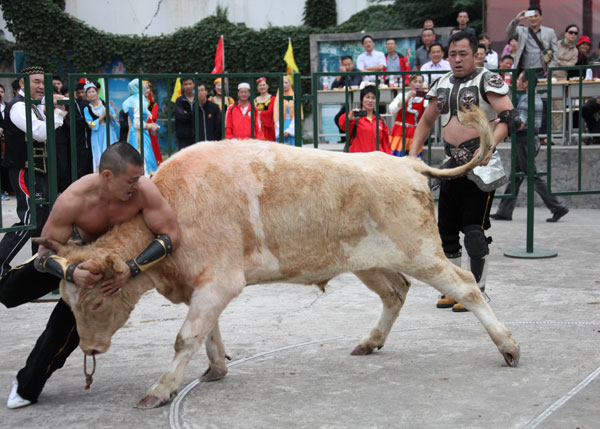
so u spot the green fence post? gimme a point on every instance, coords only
(297, 110)
(315, 109)
(529, 252)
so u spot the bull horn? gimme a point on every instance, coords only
(48, 243)
(91, 266)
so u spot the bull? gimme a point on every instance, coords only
(255, 212)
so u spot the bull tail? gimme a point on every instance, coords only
(473, 118)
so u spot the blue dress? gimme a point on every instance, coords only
(99, 131)
(140, 141)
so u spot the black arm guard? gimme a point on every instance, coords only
(512, 119)
(56, 265)
(159, 249)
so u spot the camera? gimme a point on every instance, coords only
(529, 13)
(420, 93)
(360, 114)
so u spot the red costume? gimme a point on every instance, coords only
(153, 108)
(266, 118)
(366, 134)
(414, 110)
(238, 125)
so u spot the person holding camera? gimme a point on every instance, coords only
(538, 45)
(365, 124)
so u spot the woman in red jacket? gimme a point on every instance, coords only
(153, 108)
(364, 124)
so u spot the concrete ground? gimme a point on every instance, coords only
(291, 347)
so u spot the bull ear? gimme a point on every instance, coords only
(114, 266)
(48, 243)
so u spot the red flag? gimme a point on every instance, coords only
(219, 57)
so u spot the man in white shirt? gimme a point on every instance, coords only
(370, 60)
(15, 158)
(436, 55)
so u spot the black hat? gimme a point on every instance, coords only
(32, 70)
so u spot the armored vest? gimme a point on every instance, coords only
(454, 94)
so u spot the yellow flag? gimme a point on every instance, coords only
(176, 90)
(289, 59)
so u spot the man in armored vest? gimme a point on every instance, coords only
(465, 203)
(15, 159)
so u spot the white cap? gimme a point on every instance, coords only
(244, 85)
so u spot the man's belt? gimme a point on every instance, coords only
(462, 154)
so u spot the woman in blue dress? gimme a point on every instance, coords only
(131, 106)
(95, 116)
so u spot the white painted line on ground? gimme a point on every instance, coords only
(562, 401)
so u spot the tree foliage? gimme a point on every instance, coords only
(444, 13)
(320, 13)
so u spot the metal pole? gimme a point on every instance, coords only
(297, 110)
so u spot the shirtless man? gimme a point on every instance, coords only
(86, 210)
(464, 203)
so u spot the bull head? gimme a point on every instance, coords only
(99, 317)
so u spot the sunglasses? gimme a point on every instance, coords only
(573, 32)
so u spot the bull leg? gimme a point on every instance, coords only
(215, 350)
(392, 288)
(453, 281)
(206, 305)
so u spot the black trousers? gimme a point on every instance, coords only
(23, 284)
(185, 142)
(588, 112)
(461, 203)
(12, 242)
(507, 205)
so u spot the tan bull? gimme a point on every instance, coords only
(254, 212)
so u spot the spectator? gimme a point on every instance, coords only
(422, 54)
(480, 56)
(79, 91)
(6, 188)
(427, 23)
(452, 33)
(152, 119)
(217, 94)
(463, 19)
(139, 131)
(185, 129)
(511, 47)
(16, 87)
(57, 83)
(395, 61)
(567, 51)
(96, 117)
(589, 112)
(414, 105)
(507, 205)
(436, 53)
(209, 115)
(584, 45)
(491, 56)
(370, 60)
(288, 113)
(15, 158)
(364, 125)
(595, 56)
(123, 126)
(506, 63)
(238, 120)
(265, 103)
(529, 54)
(347, 66)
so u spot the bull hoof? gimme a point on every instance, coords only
(512, 357)
(213, 374)
(362, 350)
(150, 402)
